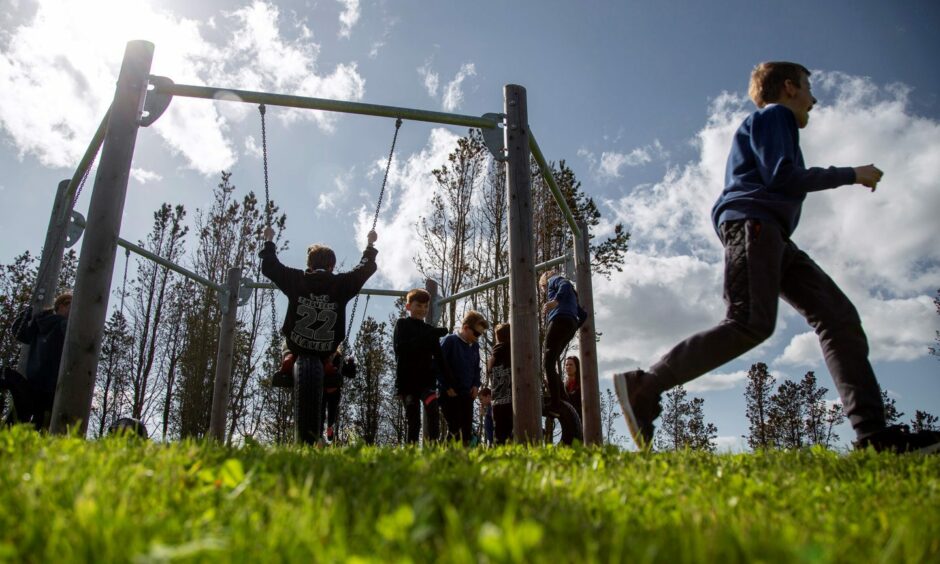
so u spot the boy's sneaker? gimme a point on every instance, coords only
(640, 405)
(282, 380)
(900, 439)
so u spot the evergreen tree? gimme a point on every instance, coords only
(683, 424)
(892, 415)
(787, 413)
(924, 421)
(760, 384)
(370, 389)
(114, 386)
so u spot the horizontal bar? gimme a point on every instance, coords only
(552, 185)
(503, 280)
(232, 95)
(90, 153)
(366, 291)
(162, 261)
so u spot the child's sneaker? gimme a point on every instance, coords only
(640, 406)
(329, 434)
(284, 377)
(900, 439)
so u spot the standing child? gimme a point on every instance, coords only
(499, 370)
(766, 182)
(564, 316)
(315, 322)
(462, 356)
(486, 412)
(573, 382)
(417, 350)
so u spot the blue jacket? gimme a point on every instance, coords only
(561, 289)
(464, 362)
(765, 177)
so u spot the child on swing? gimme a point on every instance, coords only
(314, 324)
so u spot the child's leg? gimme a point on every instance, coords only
(332, 405)
(502, 423)
(844, 345)
(432, 416)
(557, 334)
(308, 398)
(413, 417)
(753, 257)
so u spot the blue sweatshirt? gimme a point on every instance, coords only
(464, 362)
(766, 178)
(561, 290)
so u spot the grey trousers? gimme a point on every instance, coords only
(762, 265)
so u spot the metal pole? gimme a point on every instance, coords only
(224, 360)
(50, 262)
(96, 265)
(552, 185)
(587, 343)
(165, 86)
(169, 264)
(501, 280)
(523, 317)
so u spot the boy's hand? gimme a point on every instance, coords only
(473, 392)
(372, 237)
(451, 393)
(268, 233)
(868, 175)
(549, 306)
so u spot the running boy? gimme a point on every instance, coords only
(315, 322)
(765, 185)
(417, 350)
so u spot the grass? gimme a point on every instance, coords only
(66, 500)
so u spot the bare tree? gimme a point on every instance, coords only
(924, 421)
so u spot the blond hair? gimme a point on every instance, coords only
(768, 80)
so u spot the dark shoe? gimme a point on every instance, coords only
(283, 380)
(900, 439)
(640, 405)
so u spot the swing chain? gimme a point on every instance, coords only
(267, 216)
(375, 220)
(81, 184)
(264, 151)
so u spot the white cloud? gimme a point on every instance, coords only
(610, 164)
(880, 248)
(409, 181)
(731, 444)
(453, 91)
(58, 72)
(144, 176)
(720, 381)
(348, 17)
(330, 200)
(430, 78)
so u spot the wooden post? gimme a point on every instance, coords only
(523, 316)
(587, 343)
(96, 264)
(226, 353)
(50, 262)
(434, 317)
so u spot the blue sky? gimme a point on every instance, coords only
(639, 98)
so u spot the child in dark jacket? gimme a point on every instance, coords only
(499, 370)
(563, 316)
(45, 335)
(766, 183)
(462, 356)
(418, 359)
(315, 322)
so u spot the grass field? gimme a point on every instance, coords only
(66, 500)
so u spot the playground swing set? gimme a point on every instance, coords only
(140, 99)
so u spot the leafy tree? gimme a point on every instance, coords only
(892, 415)
(114, 389)
(683, 424)
(610, 414)
(372, 386)
(757, 394)
(924, 421)
(787, 412)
